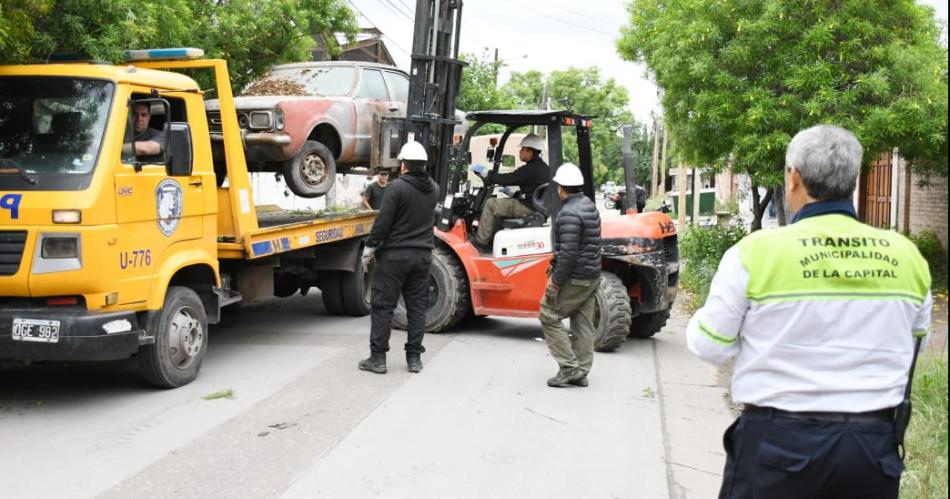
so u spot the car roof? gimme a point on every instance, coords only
(326, 64)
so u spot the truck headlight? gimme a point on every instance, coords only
(261, 120)
(279, 120)
(58, 252)
(60, 247)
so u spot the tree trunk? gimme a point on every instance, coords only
(780, 206)
(759, 206)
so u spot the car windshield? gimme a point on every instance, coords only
(328, 80)
(50, 127)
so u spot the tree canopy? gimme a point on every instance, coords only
(251, 35)
(741, 77)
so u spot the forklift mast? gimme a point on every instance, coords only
(434, 82)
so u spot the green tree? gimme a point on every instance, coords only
(479, 90)
(251, 34)
(585, 92)
(740, 78)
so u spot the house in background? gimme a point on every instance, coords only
(368, 47)
(890, 196)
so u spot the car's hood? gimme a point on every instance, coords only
(268, 101)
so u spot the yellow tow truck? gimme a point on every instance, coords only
(107, 254)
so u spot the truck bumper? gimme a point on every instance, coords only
(259, 147)
(81, 336)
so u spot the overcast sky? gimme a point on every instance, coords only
(553, 34)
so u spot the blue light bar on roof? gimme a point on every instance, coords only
(163, 54)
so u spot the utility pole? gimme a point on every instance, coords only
(654, 187)
(681, 209)
(697, 186)
(630, 183)
(663, 160)
(495, 66)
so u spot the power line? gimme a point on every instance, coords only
(393, 7)
(377, 27)
(595, 18)
(588, 28)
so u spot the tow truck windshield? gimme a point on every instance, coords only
(50, 131)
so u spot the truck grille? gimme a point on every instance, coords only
(214, 121)
(671, 250)
(11, 250)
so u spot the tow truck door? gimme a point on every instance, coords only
(154, 211)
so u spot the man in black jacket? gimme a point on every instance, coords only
(528, 177)
(574, 277)
(403, 239)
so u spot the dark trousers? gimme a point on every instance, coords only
(405, 272)
(783, 458)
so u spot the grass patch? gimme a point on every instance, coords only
(223, 394)
(926, 441)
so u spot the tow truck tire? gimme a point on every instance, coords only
(611, 313)
(312, 171)
(646, 325)
(331, 292)
(356, 289)
(449, 298)
(180, 330)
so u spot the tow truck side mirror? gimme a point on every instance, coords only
(178, 150)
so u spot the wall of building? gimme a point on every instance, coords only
(921, 208)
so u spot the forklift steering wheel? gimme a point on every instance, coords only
(539, 197)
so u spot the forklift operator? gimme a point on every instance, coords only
(528, 177)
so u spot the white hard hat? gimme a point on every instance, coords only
(569, 175)
(413, 151)
(532, 141)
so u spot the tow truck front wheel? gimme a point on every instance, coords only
(180, 330)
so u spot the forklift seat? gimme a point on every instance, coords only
(533, 220)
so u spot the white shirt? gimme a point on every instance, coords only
(810, 354)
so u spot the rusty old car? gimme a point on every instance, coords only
(309, 121)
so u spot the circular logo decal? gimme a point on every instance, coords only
(168, 200)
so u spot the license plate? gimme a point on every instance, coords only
(36, 330)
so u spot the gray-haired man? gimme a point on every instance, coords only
(822, 317)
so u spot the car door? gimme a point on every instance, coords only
(398, 84)
(372, 100)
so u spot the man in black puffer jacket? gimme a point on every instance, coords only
(403, 238)
(574, 279)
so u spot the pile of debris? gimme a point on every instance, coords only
(274, 86)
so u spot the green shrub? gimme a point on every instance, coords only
(930, 247)
(701, 249)
(926, 442)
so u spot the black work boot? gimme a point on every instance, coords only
(565, 378)
(413, 362)
(375, 363)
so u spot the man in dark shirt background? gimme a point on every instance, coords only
(373, 195)
(528, 177)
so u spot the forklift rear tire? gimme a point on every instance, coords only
(331, 292)
(180, 330)
(611, 313)
(646, 325)
(449, 299)
(312, 171)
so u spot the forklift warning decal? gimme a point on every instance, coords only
(510, 267)
(168, 200)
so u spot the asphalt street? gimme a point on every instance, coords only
(479, 421)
